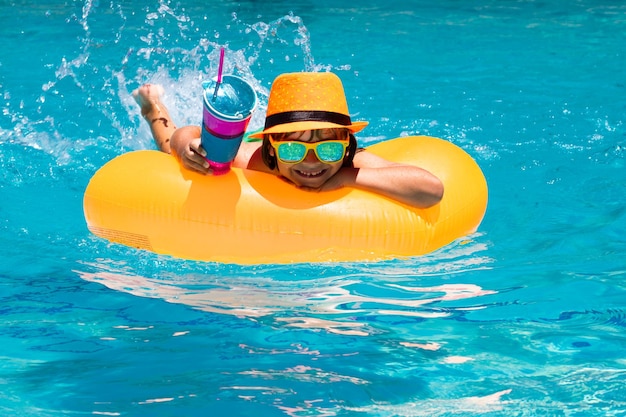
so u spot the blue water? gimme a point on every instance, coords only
(526, 317)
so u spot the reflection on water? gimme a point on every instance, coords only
(301, 296)
(479, 405)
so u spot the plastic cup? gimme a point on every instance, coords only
(225, 118)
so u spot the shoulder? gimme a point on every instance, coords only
(187, 133)
(365, 159)
(249, 157)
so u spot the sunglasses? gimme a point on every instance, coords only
(293, 152)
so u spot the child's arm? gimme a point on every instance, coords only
(186, 146)
(407, 184)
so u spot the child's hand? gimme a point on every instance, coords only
(186, 146)
(193, 157)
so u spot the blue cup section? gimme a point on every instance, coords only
(219, 149)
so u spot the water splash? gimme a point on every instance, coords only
(88, 100)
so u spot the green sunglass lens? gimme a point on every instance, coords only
(330, 152)
(291, 152)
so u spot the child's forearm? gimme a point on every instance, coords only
(407, 184)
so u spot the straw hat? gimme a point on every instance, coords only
(306, 101)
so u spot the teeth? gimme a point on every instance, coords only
(310, 173)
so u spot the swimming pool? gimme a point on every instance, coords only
(526, 317)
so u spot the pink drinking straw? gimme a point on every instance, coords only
(219, 73)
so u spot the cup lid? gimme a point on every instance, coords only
(235, 98)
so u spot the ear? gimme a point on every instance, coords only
(350, 152)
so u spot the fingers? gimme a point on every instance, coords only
(193, 160)
(192, 155)
(196, 147)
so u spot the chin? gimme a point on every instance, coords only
(314, 184)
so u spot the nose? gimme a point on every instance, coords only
(310, 156)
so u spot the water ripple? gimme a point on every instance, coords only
(340, 298)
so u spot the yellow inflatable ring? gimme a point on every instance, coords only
(145, 199)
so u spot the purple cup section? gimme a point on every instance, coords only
(223, 128)
(226, 114)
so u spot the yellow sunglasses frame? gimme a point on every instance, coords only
(308, 146)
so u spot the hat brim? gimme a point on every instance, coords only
(308, 125)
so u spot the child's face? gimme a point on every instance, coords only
(312, 172)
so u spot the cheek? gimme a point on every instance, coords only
(335, 168)
(282, 168)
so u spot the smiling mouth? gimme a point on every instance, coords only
(310, 174)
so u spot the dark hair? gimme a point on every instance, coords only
(270, 160)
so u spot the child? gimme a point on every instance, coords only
(308, 140)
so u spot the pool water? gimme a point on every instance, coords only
(526, 317)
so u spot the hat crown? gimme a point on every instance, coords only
(307, 101)
(307, 91)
